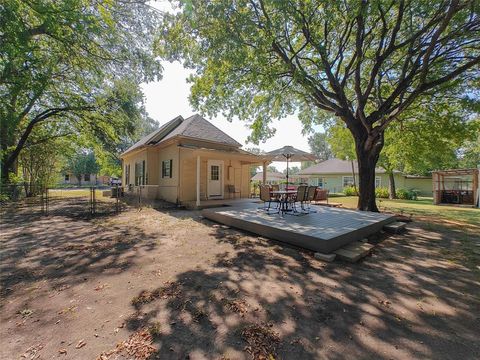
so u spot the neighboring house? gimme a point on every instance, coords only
(187, 161)
(272, 177)
(335, 174)
(85, 179)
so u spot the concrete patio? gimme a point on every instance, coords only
(325, 230)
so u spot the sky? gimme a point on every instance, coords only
(168, 98)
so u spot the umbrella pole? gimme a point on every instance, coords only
(287, 171)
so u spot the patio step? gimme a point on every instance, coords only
(354, 251)
(325, 257)
(395, 227)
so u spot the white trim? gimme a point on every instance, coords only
(221, 176)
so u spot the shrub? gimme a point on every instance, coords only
(381, 193)
(407, 194)
(350, 191)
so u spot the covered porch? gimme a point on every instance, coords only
(211, 177)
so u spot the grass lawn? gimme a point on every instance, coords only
(421, 208)
(68, 193)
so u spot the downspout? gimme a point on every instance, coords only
(178, 176)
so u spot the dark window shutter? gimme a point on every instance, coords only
(171, 161)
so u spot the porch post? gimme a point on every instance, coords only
(198, 180)
(264, 173)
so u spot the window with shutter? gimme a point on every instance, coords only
(167, 168)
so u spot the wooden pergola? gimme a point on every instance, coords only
(456, 186)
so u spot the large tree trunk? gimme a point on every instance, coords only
(366, 174)
(10, 159)
(5, 174)
(392, 192)
(367, 147)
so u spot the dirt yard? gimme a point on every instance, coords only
(171, 285)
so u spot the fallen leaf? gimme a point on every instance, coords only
(62, 351)
(81, 344)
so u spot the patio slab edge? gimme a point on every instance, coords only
(310, 242)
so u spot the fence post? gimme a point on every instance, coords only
(91, 201)
(42, 200)
(139, 196)
(117, 198)
(47, 200)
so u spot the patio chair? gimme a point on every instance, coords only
(310, 196)
(321, 195)
(231, 190)
(267, 198)
(300, 197)
(275, 187)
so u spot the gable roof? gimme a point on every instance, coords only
(199, 128)
(195, 127)
(334, 166)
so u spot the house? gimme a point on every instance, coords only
(272, 177)
(186, 161)
(336, 174)
(68, 178)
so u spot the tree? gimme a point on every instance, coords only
(108, 152)
(83, 162)
(470, 152)
(257, 151)
(319, 146)
(41, 160)
(76, 63)
(343, 146)
(431, 135)
(272, 169)
(292, 170)
(362, 61)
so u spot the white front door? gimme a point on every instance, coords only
(215, 179)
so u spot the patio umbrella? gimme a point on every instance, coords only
(288, 154)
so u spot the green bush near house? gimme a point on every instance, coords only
(407, 194)
(350, 191)
(382, 193)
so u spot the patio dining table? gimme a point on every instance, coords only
(284, 196)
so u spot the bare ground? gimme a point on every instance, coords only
(171, 285)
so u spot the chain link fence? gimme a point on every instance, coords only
(61, 201)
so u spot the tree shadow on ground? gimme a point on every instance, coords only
(402, 302)
(63, 250)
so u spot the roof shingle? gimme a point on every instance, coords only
(333, 166)
(195, 127)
